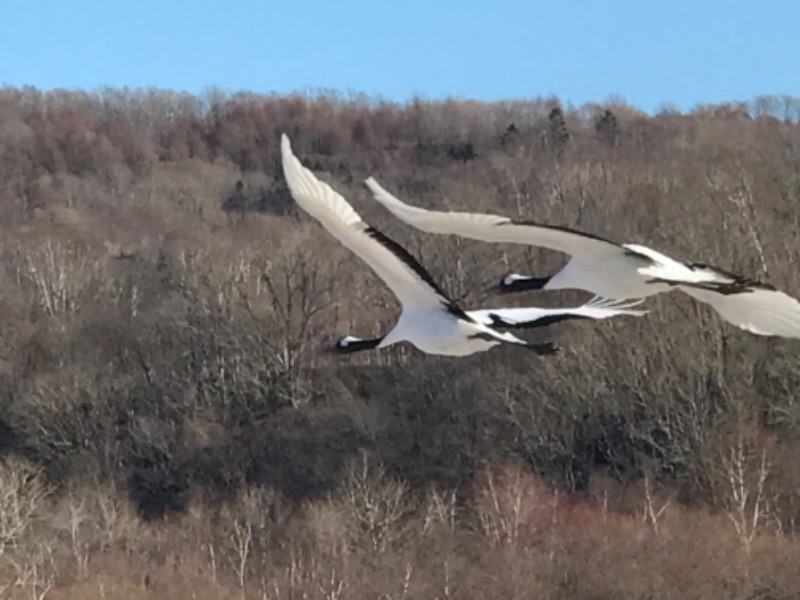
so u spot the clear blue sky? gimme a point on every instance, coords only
(648, 51)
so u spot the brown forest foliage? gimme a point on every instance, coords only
(171, 427)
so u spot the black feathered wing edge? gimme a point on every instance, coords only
(496, 228)
(407, 279)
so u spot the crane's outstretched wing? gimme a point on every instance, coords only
(409, 281)
(495, 228)
(755, 307)
(530, 317)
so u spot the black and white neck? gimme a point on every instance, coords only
(514, 282)
(350, 344)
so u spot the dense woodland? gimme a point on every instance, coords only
(172, 425)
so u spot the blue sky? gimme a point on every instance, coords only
(649, 52)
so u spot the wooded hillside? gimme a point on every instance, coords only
(171, 425)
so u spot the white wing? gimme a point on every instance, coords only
(597, 308)
(759, 310)
(494, 228)
(409, 281)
